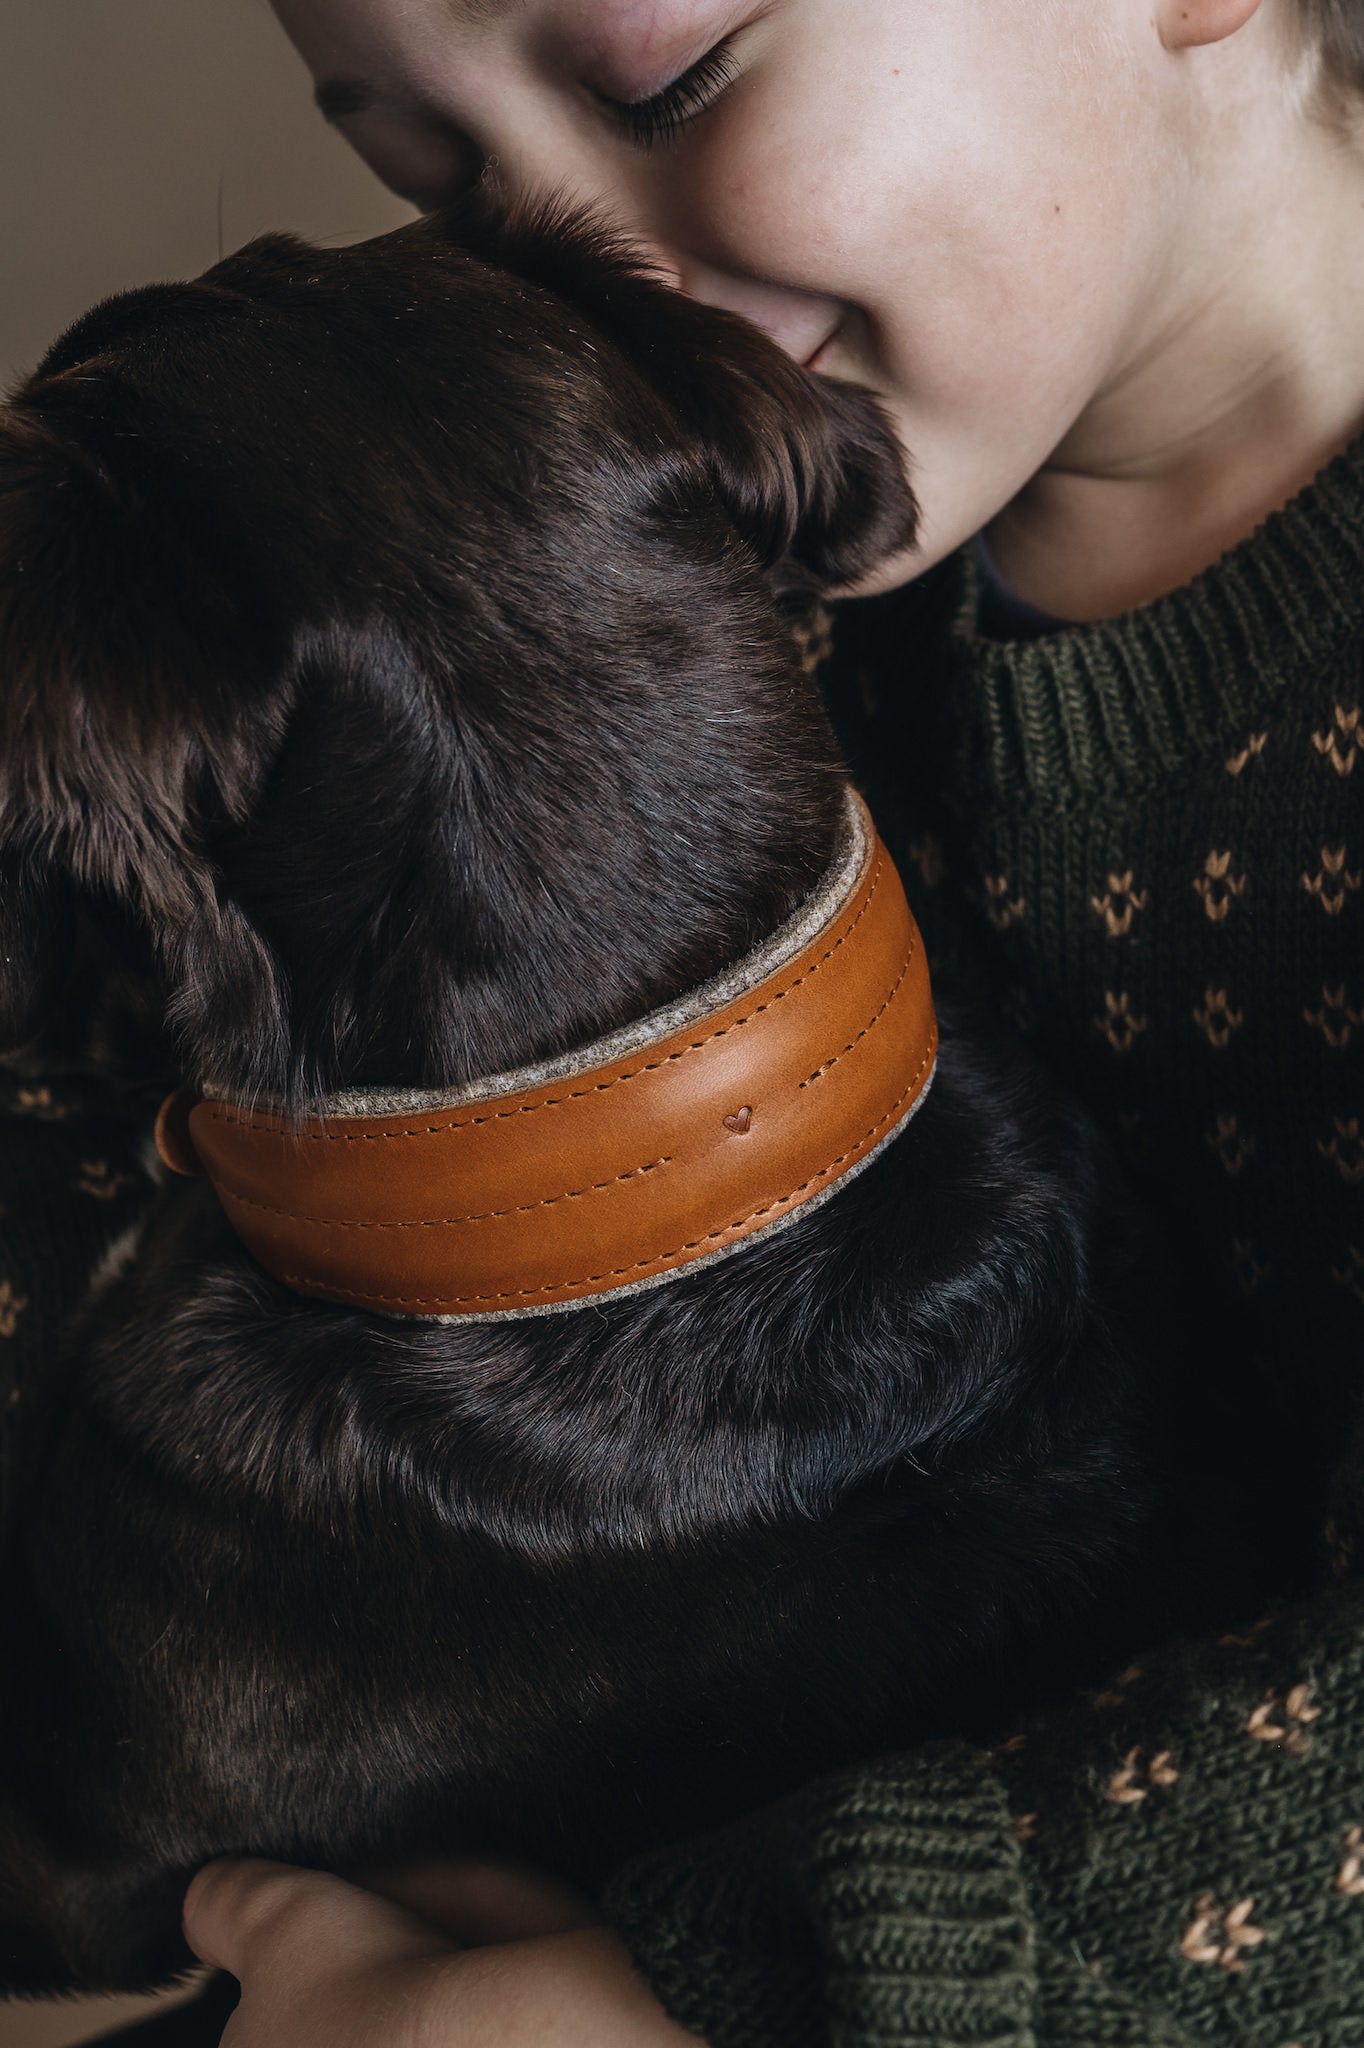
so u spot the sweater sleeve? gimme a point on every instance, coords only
(1175, 1859)
(869, 1904)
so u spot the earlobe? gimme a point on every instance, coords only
(1191, 24)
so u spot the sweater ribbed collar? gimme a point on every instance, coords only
(1123, 703)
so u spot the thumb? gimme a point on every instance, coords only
(256, 1918)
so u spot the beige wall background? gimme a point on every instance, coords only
(136, 133)
(137, 138)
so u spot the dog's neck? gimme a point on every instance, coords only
(485, 905)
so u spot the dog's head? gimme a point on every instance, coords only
(342, 595)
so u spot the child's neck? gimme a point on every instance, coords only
(1246, 375)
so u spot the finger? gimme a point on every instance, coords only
(251, 1918)
(475, 1901)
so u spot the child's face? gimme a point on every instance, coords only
(964, 205)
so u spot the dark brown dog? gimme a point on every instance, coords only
(389, 669)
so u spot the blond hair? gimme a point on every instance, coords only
(1335, 30)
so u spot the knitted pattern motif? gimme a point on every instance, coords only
(1142, 842)
(1176, 1859)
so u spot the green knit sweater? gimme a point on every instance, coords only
(1143, 840)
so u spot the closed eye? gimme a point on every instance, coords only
(657, 120)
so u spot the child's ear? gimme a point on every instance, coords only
(1190, 24)
(811, 471)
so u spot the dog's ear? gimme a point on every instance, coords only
(123, 746)
(811, 471)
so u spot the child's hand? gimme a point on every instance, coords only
(323, 1964)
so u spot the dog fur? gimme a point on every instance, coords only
(393, 680)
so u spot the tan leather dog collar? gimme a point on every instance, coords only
(649, 1153)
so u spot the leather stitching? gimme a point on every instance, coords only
(442, 1222)
(547, 1201)
(819, 1072)
(454, 1301)
(221, 1114)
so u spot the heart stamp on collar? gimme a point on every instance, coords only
(740, 1120)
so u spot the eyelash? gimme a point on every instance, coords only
(657, 121)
